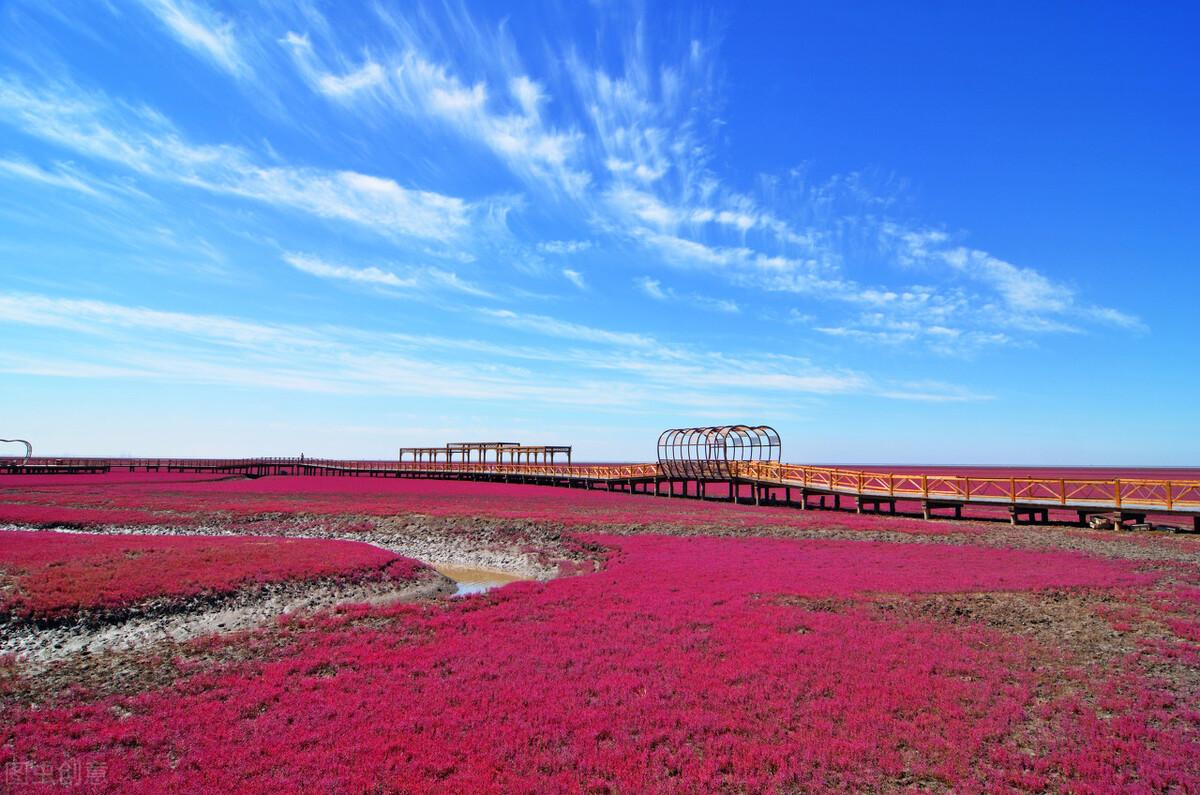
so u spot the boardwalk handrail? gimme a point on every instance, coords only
(1156, 494)
(585, 471)
(1117, 493)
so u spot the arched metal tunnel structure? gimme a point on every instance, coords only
(28, 448)
(707, 453)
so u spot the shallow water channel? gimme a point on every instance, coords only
(471, 580)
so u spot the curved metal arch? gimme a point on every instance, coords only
(28, 448)
(706, 452)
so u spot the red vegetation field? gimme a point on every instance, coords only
(47, 575)
(693, 665)
(676, 664)
(88, 500)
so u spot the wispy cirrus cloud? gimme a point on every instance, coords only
(213, 349)
(62, 176)
(414, 278)
(564, 329)
(563, 246)
(1022, 289)
(575, 278)
(931, 392)
(1021, 297)
(1115, 318)
(654, 288)
(145, 142)
(617, 165)
(453, 281)
(202, 30)
(632, 142)
(91, 316)
(506, 117)
(369, 275)
(880, 329)
(794, 236)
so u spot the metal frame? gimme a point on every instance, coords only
(713, 453)
(28, 448)
(425, 454)
(538, 454)
(486, 452)
(477, 452)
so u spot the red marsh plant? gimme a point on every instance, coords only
(90, 500)
(683, 665)
(46, 575)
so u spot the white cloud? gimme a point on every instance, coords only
(1116, 318)
(636, 134)
(716, 304)
(642, 207)
(892, 337)
(894, 329)
(1013, 298)
(642, 117)
(202, 30)
(368, 76)
(89, 316)
(423, 278)
(931, 392)
(316, 267)
(563, 329)
(651, 287)
(529, 95)
(750, 268)
(798, 318)
(212, 349)
(61, 178)
(917, 243)
(453, 281)
(688, 252)
(629, 142)
(1022, 288)
(563, 246)
(145, 142)
(654, 289)
(792, 236)
(507, 118)
(345, 86)
(575, 278)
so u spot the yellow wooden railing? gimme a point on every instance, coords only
(1049, 491)
(1127, 493)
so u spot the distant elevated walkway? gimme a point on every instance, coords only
(1027, 499)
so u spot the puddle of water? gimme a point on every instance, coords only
(472, 581)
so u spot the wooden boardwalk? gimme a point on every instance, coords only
(1027, 499)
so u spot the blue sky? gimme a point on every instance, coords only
(931, 233)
